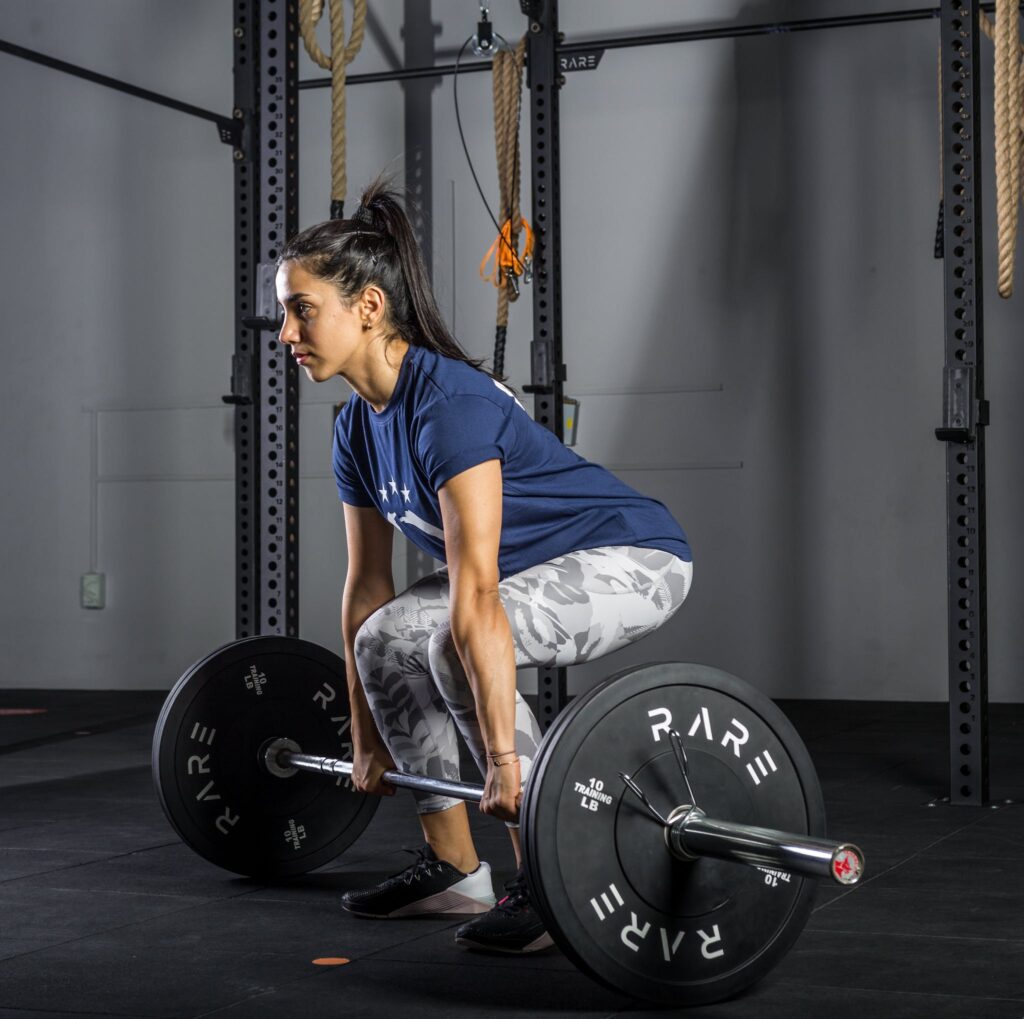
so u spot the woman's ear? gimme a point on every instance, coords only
(372, 304)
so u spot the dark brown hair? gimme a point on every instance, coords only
(378, 247)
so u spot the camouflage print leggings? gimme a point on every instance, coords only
(572, 609)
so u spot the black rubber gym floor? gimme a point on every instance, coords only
(104, 912)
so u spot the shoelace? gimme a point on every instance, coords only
(517, 896)
(421, 868)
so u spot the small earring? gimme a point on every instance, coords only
(366, 324)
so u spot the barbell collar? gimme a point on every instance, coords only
(692, 834)
(280, 756)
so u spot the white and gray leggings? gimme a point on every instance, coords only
(572, 609)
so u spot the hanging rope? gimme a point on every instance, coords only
(1006, 36)
(1009, 135)
(508, 263)
(342, 54)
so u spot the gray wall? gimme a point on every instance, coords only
(753, 320)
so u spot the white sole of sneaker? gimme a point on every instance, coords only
(442, 904)
(445, 903)
(537, 945)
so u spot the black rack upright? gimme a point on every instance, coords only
(547, 370)
(264, 378)
(965, 411)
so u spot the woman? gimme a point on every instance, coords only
(550, 560)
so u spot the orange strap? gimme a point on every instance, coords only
(505, 257)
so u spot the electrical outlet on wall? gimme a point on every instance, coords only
(94, 590)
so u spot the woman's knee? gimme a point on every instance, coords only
(370, 640)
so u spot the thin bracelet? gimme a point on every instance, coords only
(493, 758)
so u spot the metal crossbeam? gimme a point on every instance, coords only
(229, 129)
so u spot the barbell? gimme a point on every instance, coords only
(645, 795)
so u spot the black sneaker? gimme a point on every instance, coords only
(429, 885)
(512, 926)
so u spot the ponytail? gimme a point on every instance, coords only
(377, 246)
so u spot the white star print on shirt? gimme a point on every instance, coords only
(394, 487)
(384, 494)
(405, 493)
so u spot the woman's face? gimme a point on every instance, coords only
(322, 333)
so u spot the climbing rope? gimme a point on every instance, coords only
(1009, 134)
(508, 262)
(1006, 36)
(342, 54)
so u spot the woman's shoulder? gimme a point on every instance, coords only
(448, 378)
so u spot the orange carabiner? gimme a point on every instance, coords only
(506, 258)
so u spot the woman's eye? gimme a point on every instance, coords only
(302, 309)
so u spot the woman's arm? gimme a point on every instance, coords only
(471, 513)
(369, 584)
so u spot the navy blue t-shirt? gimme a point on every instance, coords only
(446, 416)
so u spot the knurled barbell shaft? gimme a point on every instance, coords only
(693, 835)
(331, 766)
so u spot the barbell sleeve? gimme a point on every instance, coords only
(286, 758)
(692, 835)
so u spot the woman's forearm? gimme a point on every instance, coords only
(483, 639)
